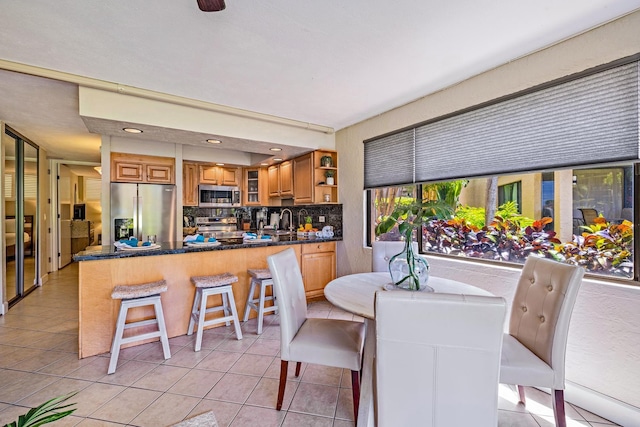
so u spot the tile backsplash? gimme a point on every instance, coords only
(332, 214)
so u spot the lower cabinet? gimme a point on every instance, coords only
(318, 266)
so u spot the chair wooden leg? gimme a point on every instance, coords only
(298, 365)
(355, 386)
(521, 393)
(558, 408)
(284, 366)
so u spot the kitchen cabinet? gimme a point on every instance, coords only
(142, 169)
(274, 180)
(190, 184)
(255, 191)
(286, 178)
(303, 179)
(318, 267)
(325, 162)
(281, 179)
(219, 175)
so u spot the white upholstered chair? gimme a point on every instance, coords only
(329, 342)
(383, 251)
(438, 359)
(533, 352)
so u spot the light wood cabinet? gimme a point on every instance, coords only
(303, 179)
(229, 176)
(323, 191)
(159, 174)
(139, 168)
(220, 175)
(274, 180)
(286, 178)
(254, 189)
(318, 267)
(281, 179)
(189, 184)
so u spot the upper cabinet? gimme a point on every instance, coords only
(325, 176)
(220, 175)
(310, 179)
(303, 179)
(254, 187)
(139, 168)
(190, 184)
(281, 179)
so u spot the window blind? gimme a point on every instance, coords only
(92, 189)
(592, 119)
(390, 160)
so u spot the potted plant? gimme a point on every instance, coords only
(329, 174)
(408, 269)
(326, 161)
(48, 412)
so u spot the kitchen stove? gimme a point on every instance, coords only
(218, 227)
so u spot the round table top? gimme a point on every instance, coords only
(355, 293)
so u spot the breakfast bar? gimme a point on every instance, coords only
(103, 268)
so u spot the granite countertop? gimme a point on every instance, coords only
(168, 248)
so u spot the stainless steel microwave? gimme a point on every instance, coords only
(218, 196)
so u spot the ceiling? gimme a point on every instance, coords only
(330, 63)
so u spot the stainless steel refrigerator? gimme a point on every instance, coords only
(143, 210)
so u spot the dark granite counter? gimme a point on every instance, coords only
(93, 253)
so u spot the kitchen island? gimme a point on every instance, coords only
(102, 268)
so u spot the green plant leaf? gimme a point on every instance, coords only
(48, 412)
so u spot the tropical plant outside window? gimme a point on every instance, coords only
(592, 228)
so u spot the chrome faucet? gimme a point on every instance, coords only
(290, 217)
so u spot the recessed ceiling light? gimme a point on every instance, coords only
(214, 141)
(219, 164)
(277, 159)
(264, 164)
(132, 130)
(275, 149)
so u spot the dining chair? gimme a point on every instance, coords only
(329, 342)
(588, 215)
(382, 251)
(533, 352)
(438, 358)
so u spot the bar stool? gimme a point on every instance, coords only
(138, 296)
(260, 277)
(219, 284)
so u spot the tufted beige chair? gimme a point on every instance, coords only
(329, 342)
(383, 251)
(438, 359)
(533, 352)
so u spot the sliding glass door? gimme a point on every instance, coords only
(21, 213)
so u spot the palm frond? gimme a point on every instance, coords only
(50, 411)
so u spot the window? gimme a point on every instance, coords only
(510, 193)
(603, 246)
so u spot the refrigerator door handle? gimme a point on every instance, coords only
(136, 218)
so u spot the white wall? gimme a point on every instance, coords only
(603, 361)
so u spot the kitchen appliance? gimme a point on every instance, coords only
(218, 227)
(141, 210)
(274, 220)
(218, 196)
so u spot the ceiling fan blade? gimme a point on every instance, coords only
(211, 5)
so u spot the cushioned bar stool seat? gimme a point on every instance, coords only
(262, 278)
(138, 296)
(219, 284)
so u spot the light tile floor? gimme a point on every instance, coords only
(238, 380)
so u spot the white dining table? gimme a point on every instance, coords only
(356, 294)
